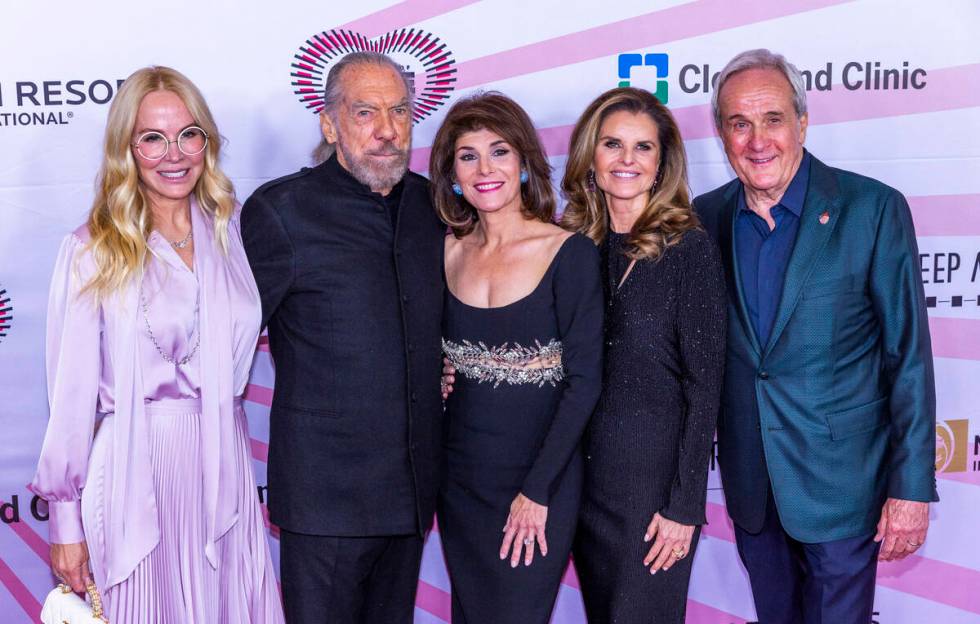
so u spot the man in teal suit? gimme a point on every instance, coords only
(826, 438)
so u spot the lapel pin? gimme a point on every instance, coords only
(824, 218)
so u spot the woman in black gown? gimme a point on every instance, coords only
(649, 441)
(523, 328)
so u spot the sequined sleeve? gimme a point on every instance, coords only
(699, 323)
(579, 311)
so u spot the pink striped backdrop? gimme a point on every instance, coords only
(553, 58)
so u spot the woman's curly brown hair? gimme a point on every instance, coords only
(497, 113)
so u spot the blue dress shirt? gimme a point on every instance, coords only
(763, 255)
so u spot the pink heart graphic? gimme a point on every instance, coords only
(423, 51)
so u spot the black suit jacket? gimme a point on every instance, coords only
(354, 310)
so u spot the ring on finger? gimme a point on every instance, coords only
(528, 540)
(679, 553)
(913, 544)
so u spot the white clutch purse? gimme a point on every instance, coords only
(63, 606)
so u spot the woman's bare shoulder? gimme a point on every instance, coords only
(552, 237)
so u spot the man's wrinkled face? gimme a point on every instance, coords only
(371, 126)
(762, 133)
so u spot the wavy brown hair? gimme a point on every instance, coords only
(120, 221)
(497, 113)
(668, 211)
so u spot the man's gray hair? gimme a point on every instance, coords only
(761, 59)
(333, 92)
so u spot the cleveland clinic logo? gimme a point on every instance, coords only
(657, 61)
(651, 71)
(426, 62)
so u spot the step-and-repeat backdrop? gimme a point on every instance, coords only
(894, 94)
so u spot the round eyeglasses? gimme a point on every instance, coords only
(154, 145)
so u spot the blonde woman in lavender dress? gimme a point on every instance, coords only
(152, 324)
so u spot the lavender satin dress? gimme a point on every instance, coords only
(146, 459)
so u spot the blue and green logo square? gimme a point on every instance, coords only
(657, 60)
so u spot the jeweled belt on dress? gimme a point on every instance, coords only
(515, 364)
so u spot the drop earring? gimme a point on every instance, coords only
(590, 181)
(657, 180)
(457, 188)
(524, 176)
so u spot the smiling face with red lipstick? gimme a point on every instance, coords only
(173, 177)
(489, 171)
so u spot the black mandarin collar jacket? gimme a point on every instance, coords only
(354, 311)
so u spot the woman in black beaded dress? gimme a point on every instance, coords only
(523, 328)
(649, 441)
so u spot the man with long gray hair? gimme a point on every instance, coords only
(826, 438)
(348, 260)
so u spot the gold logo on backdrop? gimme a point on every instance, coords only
(952, 440)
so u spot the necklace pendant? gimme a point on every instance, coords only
(183, 243)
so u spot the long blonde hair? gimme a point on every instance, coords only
(667, 214)
(120, 220)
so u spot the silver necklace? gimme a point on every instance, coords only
(197, 325)
(183, 243)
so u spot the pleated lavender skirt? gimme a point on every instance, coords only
(175, 584)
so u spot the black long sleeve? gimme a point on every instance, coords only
(699, 323)
(269, 251)
(578, 306)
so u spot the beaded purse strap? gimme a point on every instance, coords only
(94, 597)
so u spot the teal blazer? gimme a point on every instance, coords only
(837, 411)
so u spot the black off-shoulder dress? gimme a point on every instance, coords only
(514, 428)
(649, 441)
